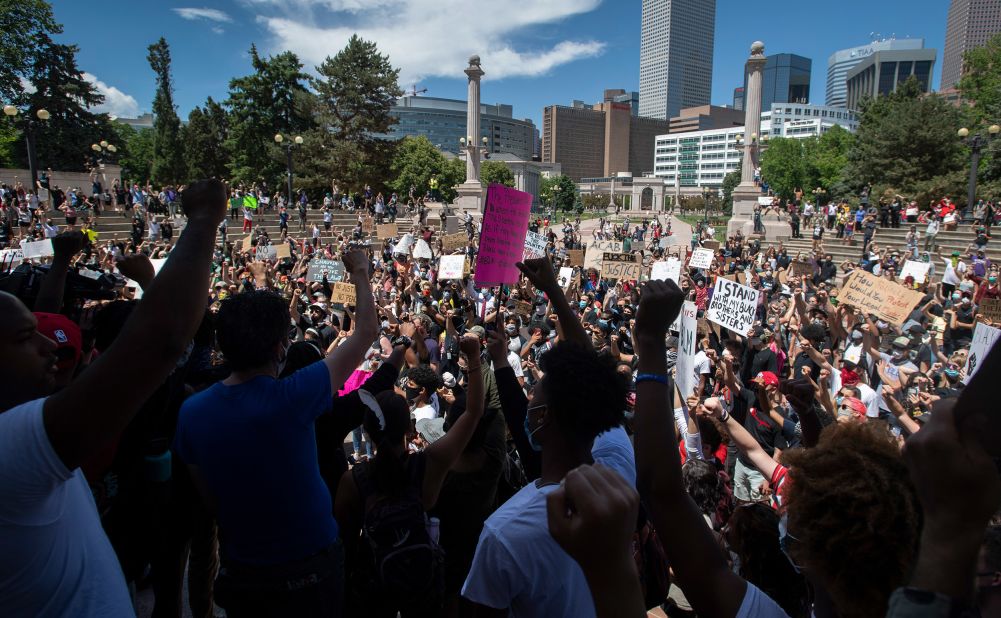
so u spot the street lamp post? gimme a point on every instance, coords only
(976, 143)
(28, 124)
(297, 141)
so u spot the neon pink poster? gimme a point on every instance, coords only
(502, 240)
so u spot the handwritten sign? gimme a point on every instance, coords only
(452, 267)
(712, 245)
(502, 239)
(247, 244)
(801, 269)
(990, 308)
(686, 325)
(368, 226)
(37, 249)
(575, 257)
(386, 230)
(662, 271)
(403, 247)
(620, 266)
(266, 252)
(422, 249)
(701, 258)
(454, 242)
(918, 270)
(334, 269)
(889, 301)
(283, 251)
(733, 306)
(984, 337)
(595, 251)
(535, 245)
(343, 293)
(10, 258)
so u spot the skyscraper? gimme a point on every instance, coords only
(841, 62)
(785, 79)
(676, 55)
(969, 25)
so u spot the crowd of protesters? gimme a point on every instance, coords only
(515, 450)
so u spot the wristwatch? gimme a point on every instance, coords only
(403, 340)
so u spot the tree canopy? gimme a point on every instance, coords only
(495, 172)
(168, 157)
(416, 161)
(559, 192)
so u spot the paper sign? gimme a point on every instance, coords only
(10, 258)
(733, 306)
(662, 271)
(712, 245)
(368, 226)
(422, 249)
(701, 258)
(266, 252)
(283, 251)
(502, 239)
(638, 245)
(565, 278)
(454, 242)
(386, 230)
(889, 301)
(620, 266)
(343, 293)
(535, 246)
(595, 251)
(984, 337)
(317, 267)
(575, 257)
(990, 308)
(246, 244)
(403, 247)
(37, 249)
(452, 267)
(918, 270)
(687, 328)
(801, 269)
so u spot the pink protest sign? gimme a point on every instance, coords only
(502, 241)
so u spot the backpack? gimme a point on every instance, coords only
(405, 564)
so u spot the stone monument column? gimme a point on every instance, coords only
(471, 192)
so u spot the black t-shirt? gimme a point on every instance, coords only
(757, 423)
(963, 315)
(764, 360)
(803, 360)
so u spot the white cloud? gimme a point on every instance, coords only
(116, 102)
(218, 29)
(192, 13)
(434, 38)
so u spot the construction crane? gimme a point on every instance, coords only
(414, 91)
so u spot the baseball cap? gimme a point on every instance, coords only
(431, 429)
(901, 342)
(767, 378)
(66, 334)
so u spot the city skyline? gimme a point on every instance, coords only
(556, 55)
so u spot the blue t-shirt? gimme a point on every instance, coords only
(255, 446)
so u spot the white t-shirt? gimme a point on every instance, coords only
(700, 365)
(519, 566)
(514, 359)
(427, 412)
(55, 559)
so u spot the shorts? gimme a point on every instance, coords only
(747, 483)
(326, 225)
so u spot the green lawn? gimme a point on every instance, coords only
(718, 223)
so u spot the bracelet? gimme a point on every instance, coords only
(651, 377)
(724, 417)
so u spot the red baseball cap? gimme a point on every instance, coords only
(767, 378)
(66, 334)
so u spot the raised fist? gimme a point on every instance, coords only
(205, 201)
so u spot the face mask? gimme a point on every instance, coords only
(413, 392)
(956, 296)
(602, 324)
(511, 330)
(583, 304)
(530, 434)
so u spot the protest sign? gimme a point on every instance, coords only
(403, 247)
(712, 245)
(733, 306)
(266, 252)
(918, 270)
(247, 244)
(422, 249)
(452, 267)
(37, 249)
(620, 266)
(334, 270)
(595, 251)
(368, 226)
(10, 258)
(343, 293)
(990, 308)
(535, 246)
(889, 301)
(386, 230)
(454, 242)
(565, 278)
(701, 258)
(801, 269)
(984, 337)
(687, 328)
(662, 271)
(283, 251)
(502, 238)
(250, 202)
(575, 257)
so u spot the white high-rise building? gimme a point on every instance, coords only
(676, 56)
(842, 62)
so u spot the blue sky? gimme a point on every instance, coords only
(535, 52)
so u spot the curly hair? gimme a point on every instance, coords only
(703, 484)
(583, 390)
(425, 377)
(854, 515)
(249, 326)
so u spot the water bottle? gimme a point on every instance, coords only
(434, 529)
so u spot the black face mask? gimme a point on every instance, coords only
(413, 392)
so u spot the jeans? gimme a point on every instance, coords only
(356, 437)
(311, 587)
(929, 242)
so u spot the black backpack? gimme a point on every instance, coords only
(406, 565)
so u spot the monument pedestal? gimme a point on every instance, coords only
(472, 197)
(745, 198)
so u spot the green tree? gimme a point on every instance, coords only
(355, 91)
(26, 28)
(63, 141)
(730, 182)
(416, 161)
(168, 158)
(981, 81)
(271, 100)
(135, 153)
(826, 160)
(783, 166)
(204, 142)
(906, 141)
(559, 192)
(9, 138)
(496, 172)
